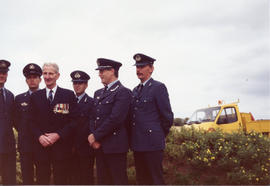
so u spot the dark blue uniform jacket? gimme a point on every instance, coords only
(151, 117)
(110, 123)
(7, 140)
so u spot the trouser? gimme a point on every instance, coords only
(82, 169)
(58, 168)
(27, 167)
(111, 168)
(8, 168)
(148, 167)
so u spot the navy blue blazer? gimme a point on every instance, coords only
(57, 117)
(25, 137)
(7, 140)
(151, 117)
(85, 109)
(110, 123)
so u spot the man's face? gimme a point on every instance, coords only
(33, 81)
(3, 78)
(106, 75)
(50, 76)
(144, 72)
(79, 87)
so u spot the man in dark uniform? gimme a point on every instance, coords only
(52, 121)
(7, 140)
(151, 119)
(109, 131)
(83, 154)
(32, 73)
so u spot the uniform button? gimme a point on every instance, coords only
(133, 124)
(107, 101)
(136, 108)
(97, 118)
(150, 131)
(97, 110)
(99, 103)
(137, 100)
(114, 133)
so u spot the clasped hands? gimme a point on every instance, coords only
(92, 141)
(48, 139)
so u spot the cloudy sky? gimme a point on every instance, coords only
(206, 50)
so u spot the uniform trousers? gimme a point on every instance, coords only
(8, 168)
(59, 168)
(83, 169)
(111, 168)
(148, 167)
(27, 167)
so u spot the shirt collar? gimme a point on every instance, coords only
(144, 83)
(111, 84)
(80, 97)
(48, 91)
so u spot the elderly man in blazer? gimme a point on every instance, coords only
(7, 140)
(151, 119)
(32, 73)
(108, 129)
(52, 120)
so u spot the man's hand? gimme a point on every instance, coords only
(91, 139)
(53, 137)
(96, 145)
(44, 141)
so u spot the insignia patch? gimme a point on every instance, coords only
(3, 65)
(61, 108)
(31, 67)
(115, 88)
(24, 104)
(77, 75)
(138, 58)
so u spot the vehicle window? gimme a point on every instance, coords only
(228, 115)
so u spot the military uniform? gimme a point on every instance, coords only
(83, 155)
(25, 137)
(151, 119)
(109, 128)
(7, 140)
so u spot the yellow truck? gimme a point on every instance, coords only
(227, 118)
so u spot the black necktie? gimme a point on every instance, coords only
(2, 101)
(140, 87)
(50, 98)
(105, 88)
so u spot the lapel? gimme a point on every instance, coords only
(43, 98)
(145, 89)
(84, 99)
(111, 90)
(57, 95)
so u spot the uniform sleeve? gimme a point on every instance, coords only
(164, 107)
(118, 115)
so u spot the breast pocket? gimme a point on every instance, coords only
(147, 103)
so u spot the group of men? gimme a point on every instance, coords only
(61, 133)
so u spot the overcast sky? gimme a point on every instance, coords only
(205, 51)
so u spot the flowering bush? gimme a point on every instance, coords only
(217, 158)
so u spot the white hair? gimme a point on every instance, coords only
(54, 65)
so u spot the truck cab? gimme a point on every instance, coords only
(228, 118)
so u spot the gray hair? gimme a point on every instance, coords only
(54, 65)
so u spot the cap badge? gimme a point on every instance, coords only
(31, 67)
(138, 58)
(77, 75)
(3, 65)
